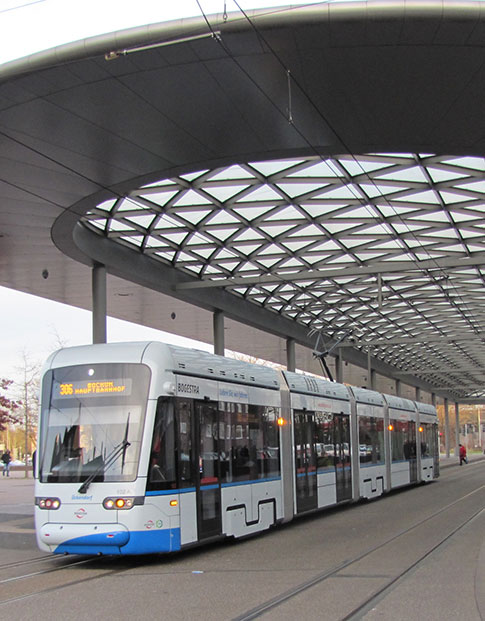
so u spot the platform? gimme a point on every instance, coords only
(415, 554)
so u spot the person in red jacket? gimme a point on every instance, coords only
(463, 457)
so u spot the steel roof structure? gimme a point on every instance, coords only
(302, 170)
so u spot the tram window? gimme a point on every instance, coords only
(427, 440)
(225, 444)
(184, 448)
(371, 440)
(324, 446)
(162, 469)
(250, 448)
(242, 465)
(270, 456)
(403, 440)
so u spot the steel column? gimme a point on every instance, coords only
(447, 430)
(290, 355)
(99, 303)
(457, 430)
(218, 326)
(339, 366)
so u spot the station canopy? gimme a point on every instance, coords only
(313, 173)
(379, 250)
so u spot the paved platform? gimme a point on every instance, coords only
(225, 581)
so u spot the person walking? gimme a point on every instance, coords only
(463, 457)
(6, 459)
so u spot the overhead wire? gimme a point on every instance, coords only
(339, 137)
(364, 203)
(101, 186)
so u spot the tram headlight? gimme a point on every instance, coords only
(118, 503)
(48, 503)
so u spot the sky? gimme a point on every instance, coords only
(28, 26)
(30, 327)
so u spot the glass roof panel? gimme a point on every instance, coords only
(316, 168)
(414, 173)
(232, 172)
(225, 192)
(270, 168)
(475, 163)
(190, 197)
(290, 215)
(160, 198)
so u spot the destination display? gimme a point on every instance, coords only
(90, 388)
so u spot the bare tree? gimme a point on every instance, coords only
(28, 389)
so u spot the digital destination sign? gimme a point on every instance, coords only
(90, 388)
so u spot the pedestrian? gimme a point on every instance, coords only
(463, 457)
(6, 459)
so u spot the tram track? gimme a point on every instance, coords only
(371, 601)
(52, 573)
(67, 565)
(364, 606)
(28, 561)
(9, 584)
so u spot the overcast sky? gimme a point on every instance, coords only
(27, 26)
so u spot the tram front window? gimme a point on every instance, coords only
(92, 422)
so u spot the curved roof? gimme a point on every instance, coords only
(366, 225)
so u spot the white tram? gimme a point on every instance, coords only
(149, 448)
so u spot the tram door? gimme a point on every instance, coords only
(305, 462)
(343, 470)
(207, 478)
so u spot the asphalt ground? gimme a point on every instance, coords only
(415, 554)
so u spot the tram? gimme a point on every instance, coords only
(152, 448)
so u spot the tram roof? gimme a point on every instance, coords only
(306, 169)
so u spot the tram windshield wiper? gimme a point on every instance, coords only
(118, 450)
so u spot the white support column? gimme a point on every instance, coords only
(418, 394)
(369, 369)
(373, 379)
(447, 430)
(457, 430)
(99, 303)
(398, 387)
(218, 325)
(290, 355)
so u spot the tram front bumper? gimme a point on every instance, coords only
(84, 538)
(113, 539)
